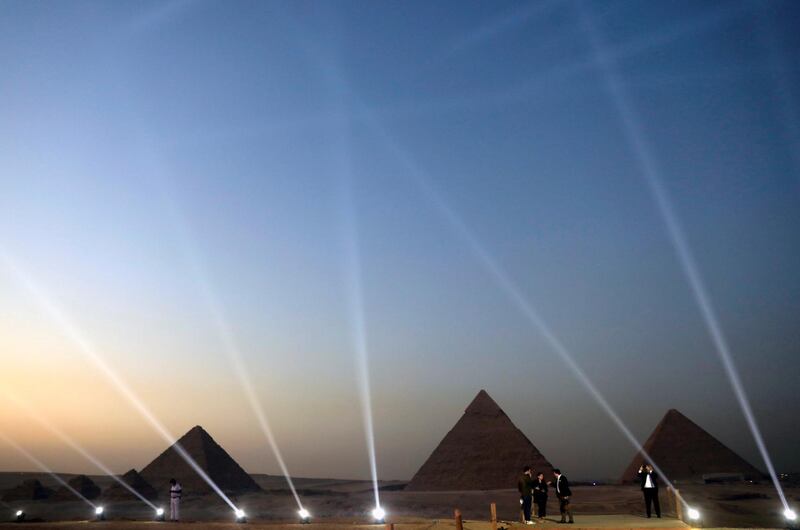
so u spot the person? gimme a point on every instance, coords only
(563, 493)
(525, 487)
(540, 495)
(175, 492)
(648, 479)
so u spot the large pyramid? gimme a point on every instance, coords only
(686, 452)
(483, 451)
(117, 491)
(211, 458)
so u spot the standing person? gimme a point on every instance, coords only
(175, 492)
(540, 495)
(648, 479)
(525, 487)
(563, 493)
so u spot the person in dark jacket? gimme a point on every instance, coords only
(648, 480)
(525, 487)
(540, 495)
(561, 485)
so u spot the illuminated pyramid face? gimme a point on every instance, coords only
(686, 452)
(209, 455)
(484, 450)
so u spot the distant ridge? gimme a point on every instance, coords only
(209, 455)
(484, 450)
(685, 452)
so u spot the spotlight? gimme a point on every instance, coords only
(241, 517)
(791, 518)
(19, 516)
(305, 516)
(693, 514)
(379, 514)
(160, 514)
(100, 513)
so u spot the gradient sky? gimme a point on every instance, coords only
(154, 151)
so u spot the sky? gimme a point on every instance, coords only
(305, 178)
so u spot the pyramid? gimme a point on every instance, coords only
(483, 451)
(82, 484)
(132, 478)
(28, 490)
(686, 452)
(211, 458)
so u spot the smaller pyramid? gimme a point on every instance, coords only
(82, 484)
(686, 452)
(212, 459)
(28, 490)
(132, 478)
(483, 451)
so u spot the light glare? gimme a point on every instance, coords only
(694, 515)
(378, 513)
(790, 514)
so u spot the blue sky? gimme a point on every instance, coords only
(147, 148)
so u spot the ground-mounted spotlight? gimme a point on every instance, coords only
(305, 516)
(19, 516)
(241, 517)
(791, 518)
(160, 514)
(694, 515)
(379, 515)
(100, 513)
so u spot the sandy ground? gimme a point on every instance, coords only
(348, 502)
(589, 522)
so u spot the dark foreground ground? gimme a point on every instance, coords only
(345, 504)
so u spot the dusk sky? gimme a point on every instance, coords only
(170, 168)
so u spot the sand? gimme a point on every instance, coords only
(348, 502)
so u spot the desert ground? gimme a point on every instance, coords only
(345, 503)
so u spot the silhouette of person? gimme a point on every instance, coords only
(648, 480)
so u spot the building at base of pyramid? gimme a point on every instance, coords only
(483, 451)
(686, 453)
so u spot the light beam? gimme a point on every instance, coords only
(225, 334)
(46, 469)
(87, 350)
(510, 289)
(41, 420)
(634, 133)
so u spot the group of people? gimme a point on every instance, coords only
(535, 490)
